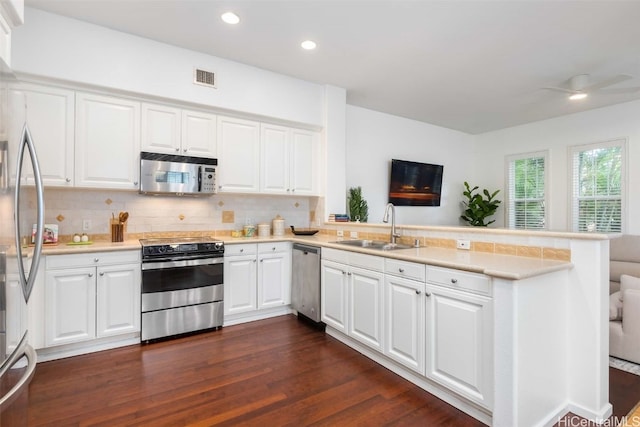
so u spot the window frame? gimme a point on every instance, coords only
(510, 199)
(573, 187)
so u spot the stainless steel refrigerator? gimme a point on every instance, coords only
(21, 206)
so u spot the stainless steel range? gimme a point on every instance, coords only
(182, 286)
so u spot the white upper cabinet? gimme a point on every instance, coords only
(239, 151)
(305, 157)
(172, 130)
(161, 131)
(199, 137)
(274, 147)
(50, 116)
(289, 160)
(108, 142)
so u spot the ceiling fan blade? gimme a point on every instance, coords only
(560, 89)
(607, 82)
(620, 90)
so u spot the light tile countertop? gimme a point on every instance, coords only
(496, 265)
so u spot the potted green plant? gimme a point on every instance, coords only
(479, 205)
(358, 209)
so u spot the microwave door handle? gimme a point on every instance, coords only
(200, 172)
(26, 143)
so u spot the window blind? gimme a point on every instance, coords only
(526, 191)
(598, 187)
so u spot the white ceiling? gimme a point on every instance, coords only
(473, 66)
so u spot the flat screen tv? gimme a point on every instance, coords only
(415, 184)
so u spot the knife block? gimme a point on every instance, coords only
(117, 232)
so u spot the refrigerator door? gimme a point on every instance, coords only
(17, 357)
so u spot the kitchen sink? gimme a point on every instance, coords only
(373, 244)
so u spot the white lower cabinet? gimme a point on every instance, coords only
(366, 292)
(91, 296)
(256, 277)
(333, 294)
(433, 321)
(352, 296)
(404, 321)
(460, 340)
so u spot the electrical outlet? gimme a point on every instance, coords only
(86, 224)
(340, 233)
(463, 244)
(353, 234)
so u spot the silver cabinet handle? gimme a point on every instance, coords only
(262, 260)
(349, 274)
(90, 274)
(102, 273)
(344, 272)
(428, 294)
(241, 250)
(401, 270)
(273, 248)
(454, 281)
(68, 179)
(184, 150)
(255, 260)
(135, 183)
(418, 292)
(96, 259)
(177, 149)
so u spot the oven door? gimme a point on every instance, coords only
(181, 297)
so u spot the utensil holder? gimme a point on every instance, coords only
(117, 232)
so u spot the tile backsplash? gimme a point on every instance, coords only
(150, 214)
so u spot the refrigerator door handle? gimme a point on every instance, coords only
(23, 349)
(26, 143)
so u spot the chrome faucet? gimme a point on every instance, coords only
(385, 218)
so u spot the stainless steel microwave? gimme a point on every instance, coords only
(178, 175)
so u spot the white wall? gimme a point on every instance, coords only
(54, 46)
(557, 135)
(374, 138)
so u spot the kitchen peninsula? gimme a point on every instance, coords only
(543, 330)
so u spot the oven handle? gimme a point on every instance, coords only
(157, 265)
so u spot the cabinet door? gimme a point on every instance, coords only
(404, 322)
(333, 293)
(107, 142)
(305, 157)
(274, 153)
(365, 306)
(239, 152)
(161, 130)
(199, 134)
(50, 115)
(274, 279)
(118, 299)
(239, 284)
(459, 342)
(70, 306)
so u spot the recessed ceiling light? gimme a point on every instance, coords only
(230, 18)
(308, 45)
(577, 96)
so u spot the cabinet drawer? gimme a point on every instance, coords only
(92, 258)
(335, 255)
(370, 262)
(455, 279)
(410, 270)
(267, 248)
(240, 249)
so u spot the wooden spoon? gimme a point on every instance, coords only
(122, 217)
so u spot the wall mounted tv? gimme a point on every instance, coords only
(415, 184)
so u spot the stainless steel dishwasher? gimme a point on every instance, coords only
(305, 289)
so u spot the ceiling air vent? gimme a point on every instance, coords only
(204, 78)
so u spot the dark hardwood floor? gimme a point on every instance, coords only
(273, 372)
